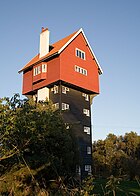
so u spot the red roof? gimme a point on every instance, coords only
(58, 48)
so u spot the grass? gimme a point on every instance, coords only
(128, 188)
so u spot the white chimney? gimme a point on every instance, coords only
(44, 42)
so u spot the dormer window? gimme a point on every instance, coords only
(44, 68)
(37, 70)
(80, 53)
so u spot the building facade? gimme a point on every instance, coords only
(67, 73)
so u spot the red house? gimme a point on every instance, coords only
(67, 72)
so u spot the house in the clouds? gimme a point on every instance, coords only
(67, 73)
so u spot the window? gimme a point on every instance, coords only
(44, 68)
(67, 125)
(78, 170)
(54, 89)
(81, 70)
(80, 53)
(88, 169)
(86, 112)
(88, 150)
(56, 106)
(86, 96)
(87, 130)
(37, 70)
(65, 106)
(65, 89)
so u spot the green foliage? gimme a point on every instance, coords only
(117, 156)
(34, 143)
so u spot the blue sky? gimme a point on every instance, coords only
(113, 31)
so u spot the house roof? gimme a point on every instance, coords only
(58, 47)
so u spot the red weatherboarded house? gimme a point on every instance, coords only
(67, 72)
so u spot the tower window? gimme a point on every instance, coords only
(54, 89)
(87, 130)
(88, 169)
(65, 89)
(86, 112)
(86, 96)
(44, 68)
(80, 70)
(80, 53)
(78, 170)
(56, 106)
(88, 150)
(65, 106)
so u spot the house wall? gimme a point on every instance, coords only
(27, 82)
(68, 60)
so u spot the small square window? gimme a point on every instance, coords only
(87, 130)
(88, 150)
(54, 89)
(86, 112)
(65, 106)
(86, 96)
(56, 105)
(65, 89)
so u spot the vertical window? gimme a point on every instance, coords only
(80, 53)
(37, 70)
(86, 112)
(88, 150)
(78, 170)
(87, 130)
(88, 169)
(44, 68)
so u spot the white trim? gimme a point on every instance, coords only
(76, 34)
(82, 52)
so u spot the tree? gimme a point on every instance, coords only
(117, 155)
(34, 140)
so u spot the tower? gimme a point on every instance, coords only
(67, 72)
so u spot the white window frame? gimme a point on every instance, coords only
(44, 68)
(65, 106)
(86, 112)
(86, 96)
(87, 130)
(81, 70)
(37, 70)
(78, 170)
(56, 105)
(54, 89)
(88, 150)
(80, 53)
(65, 89)
(88, 169)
